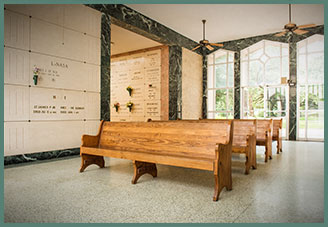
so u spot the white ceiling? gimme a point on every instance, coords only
(125, 41)
(229, 21)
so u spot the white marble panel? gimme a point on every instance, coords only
(153, 75)
(121, 64)
(137, 61)
(138, 91)
(19, 8)
(54, 104)
(138, 108)
(119, 92)
(120, 118)
(93, 81)
(53, 13)
(16, 30)
(16, 66)
(76, 46)
(93, 50)
(91, 127)
(92, 104)
(16, 103)
(152, 108)
(152, 91)
(47, 38)
(137, 77)
(16, 138)
(122, 111)
(55, 135)
(63, 73)
(83, 19)
(152, 58)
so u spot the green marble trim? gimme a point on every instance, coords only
(134, 21)
(16, 159)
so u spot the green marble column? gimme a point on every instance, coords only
(204, 102)
(175, 82)
(292, 91)
(105, 67)
(237, 85)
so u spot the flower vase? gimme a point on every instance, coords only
(130, 108)
(116, 107)
(35, 78)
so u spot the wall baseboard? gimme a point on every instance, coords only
(16, 159)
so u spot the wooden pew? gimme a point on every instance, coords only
(205, 146)
(277, 133)
(264, 136)
(244, 140)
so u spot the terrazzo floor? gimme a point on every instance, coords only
(289, 188)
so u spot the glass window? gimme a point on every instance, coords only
(263, 65)
(220, 85)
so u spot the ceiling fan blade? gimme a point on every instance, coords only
(280, 34)
(216, 44)
(300, 32)
(306, 26)
(209, 47)
(195, 47)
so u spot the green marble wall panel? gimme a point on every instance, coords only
(175, 82)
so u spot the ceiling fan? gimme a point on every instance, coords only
(206, 43)
(291, 27)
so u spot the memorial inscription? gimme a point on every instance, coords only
(141, 71)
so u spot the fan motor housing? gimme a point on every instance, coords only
(290, 26)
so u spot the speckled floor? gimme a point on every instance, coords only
(289, 188)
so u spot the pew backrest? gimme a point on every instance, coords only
(277, 125)
(166, 138)
(264, 126)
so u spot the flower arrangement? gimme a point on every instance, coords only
(36, 71)
(129, 105)
(117, 106)
(129, 89)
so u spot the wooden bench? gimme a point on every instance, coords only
(264, 136)
(244, 140)
(277, 133)
(205, 146)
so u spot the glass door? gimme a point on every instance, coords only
(310, 78)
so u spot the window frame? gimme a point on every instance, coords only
(212, 90)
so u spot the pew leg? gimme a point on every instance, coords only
(91, 159)
(266, 155)
(247, 164)
(217, 188)
(278, 147)
(141, 168)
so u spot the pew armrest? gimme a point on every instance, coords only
(90, 141)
